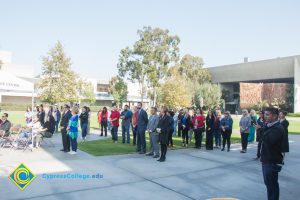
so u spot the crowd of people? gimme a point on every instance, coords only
(270, 128)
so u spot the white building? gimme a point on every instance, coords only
(16, 81)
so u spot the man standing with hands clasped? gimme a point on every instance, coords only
(154, 136)
(63, 127)
(142, 121)
(272, 152)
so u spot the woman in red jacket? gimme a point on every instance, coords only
(199, 127)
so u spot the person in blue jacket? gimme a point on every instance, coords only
(226, 130)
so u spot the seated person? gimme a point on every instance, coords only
(47, 130)
(4, 126)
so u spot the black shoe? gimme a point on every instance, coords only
(66, 151)
(156, 156)
(159, 160)
(222, 149)
(101, 135)
(162, 160)
(62, 150)
(228, 150)
(149, 154)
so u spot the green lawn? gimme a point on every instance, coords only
(106, 146)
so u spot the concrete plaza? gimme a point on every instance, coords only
(187, 174)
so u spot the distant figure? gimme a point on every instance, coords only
(28, 115)
(134, 123)
(245, 124)
(198, 122)
(179, 122)
(285, 124)
(84, 117)
(217, 129)
(260, 126)
(252, 127)
(103, 120)
(163, 129)
(210, 129)
(170, 115)
(126, 117)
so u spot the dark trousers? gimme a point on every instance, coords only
(209, 143)
(104, 126)
(141, 141)
(270, 173)
(170, 138)
(84, 129)
(126, 133)
(198, 137)
(259, 135)
(74, 144)
(56, 126)
(226, 136)
(163, 151)
(134, 131)
(217, 134)
(185, 136)
(179, 130)
(244, 136)
(114, 133)
(65, 139)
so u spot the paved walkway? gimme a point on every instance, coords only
(187, 174)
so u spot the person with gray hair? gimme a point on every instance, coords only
(154, 136)
(245, 124)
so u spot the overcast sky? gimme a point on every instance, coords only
(94, 32)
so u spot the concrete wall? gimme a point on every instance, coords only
(280, 68)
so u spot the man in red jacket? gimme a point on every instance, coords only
(114, 118)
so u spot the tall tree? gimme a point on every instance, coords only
(191, 67)
(58, 81)
(150, 58)
(174, 93)
(118, 89)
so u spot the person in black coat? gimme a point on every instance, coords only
(285, 124)
(259, 126)
(271, 152)
(163, 129)
(41, 115)
(170, 134)
(210, 128)
(63, 127)
(84, 117)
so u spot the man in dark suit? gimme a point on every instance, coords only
(142, 121)
(63, 127)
